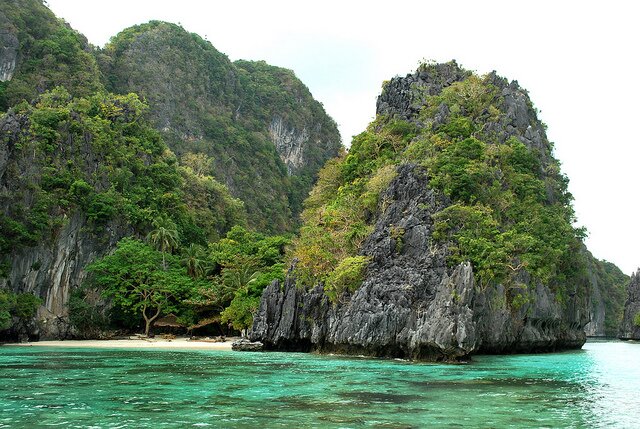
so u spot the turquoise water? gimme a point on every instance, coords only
(598, 386)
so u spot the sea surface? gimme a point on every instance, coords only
(597, 387)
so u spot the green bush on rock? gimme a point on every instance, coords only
(22, 306)
(346, 277)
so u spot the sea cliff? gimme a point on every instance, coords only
(427, 290)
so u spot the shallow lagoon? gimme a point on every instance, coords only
(598, 386)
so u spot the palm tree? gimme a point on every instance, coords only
(164, 237)
(193, 259)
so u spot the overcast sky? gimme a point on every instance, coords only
(579, 60)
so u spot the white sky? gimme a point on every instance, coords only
(578, 59)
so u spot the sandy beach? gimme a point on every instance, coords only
(134, 343)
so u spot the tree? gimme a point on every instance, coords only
(240, 311)
(242, 265)
(22, 306)
(7, 302)
(164, 237)
(200, 163)
(138, 279)
(193, 258)
(240, 273)
(26, 306)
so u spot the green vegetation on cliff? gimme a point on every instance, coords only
(266, 135)
(612, 291)
(509, 209)
(99, 156)
(159, 142)
(48, 53)
(20, 306)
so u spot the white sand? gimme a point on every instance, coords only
(133, 343)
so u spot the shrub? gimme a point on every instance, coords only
(86, 318)
(346, 277)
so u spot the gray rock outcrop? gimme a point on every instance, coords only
(244, 345)
(403, 97)
(630, 326)
(411, 305)
(9, 45)
(289, 142)
(53, 267)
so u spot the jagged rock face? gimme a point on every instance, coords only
(595, 327)
(289, 143)
(608, 286)
(8, 49)
(411, 304)
(403, 97)
(630, 328)
(54, 268)
(542, 325)
(57, 265)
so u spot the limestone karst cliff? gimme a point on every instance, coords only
(82, 167)
(630, 326)
(411, 304)
(38, 52)
(77, 175)
(607, 296)
(453, 228)
(266, 134)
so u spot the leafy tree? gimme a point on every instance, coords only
(164, 237)
(199, 163)
(7, 302)
(88, 319)
(240, 311)
(193, 258)
(26, 306)
(141, 280)
(241, 265)
(22, 306)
